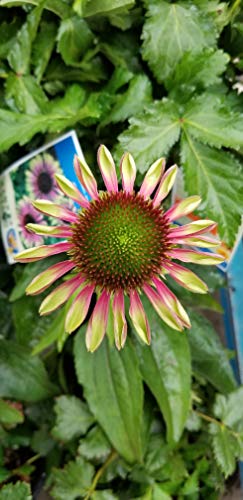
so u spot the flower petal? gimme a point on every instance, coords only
(162, 309)
(38, 253)
(166, 185)
(139, 317)
(128, 172)
(60, 295)
(198, 241)
(172, 302)
(107, 168)
(120, 324)
(69, 189)
(79, 309)
(98, 322)
(152, 177)
(86, 177)
(57, 231)
(204, 258)
(47, 277)
(186, 278)
(183, 208)
(58, 211)
(193, 228)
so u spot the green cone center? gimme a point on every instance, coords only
(120, 241)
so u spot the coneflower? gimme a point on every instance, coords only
(120, 243)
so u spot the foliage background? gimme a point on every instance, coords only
(155, 78)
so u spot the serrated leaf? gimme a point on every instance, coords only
(224, 448)
(209, 357)
(171, 30)
(23, 377)
(9, 414)
(59, 7)
(20, 491)
(208, 121)
(43, 47)
(158, 493)
(94, 445)
(225, 409)
(95, 7)
(151, 134)
(113, 389)
(166, 369)
(23, 94)
(73, 39)
(73, 481)
(104, 495)
(20, 53)
(217, 177)
(8, 33)
(73, 418)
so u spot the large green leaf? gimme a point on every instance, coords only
(209, 357)
(73, 418)
(151, 134)
(59, 7)
(20, 491)
(73, 481)
(25, 95)
(23, 377)
(166, 369)
(218, 178)
(225, 409)
(113, 389)
(43, 47)
(171, 30)
(211, 123)
(94, 7)
(74, 38)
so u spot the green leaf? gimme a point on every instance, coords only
(9, 414)
(114, 392)
(73, 418)
(224, 448)
(53, 332)
(151, 134)
(22, 377)
(207, 120)
(209, 357)
(171, 30)
(74, 39)
(20, 491)
(166, 369)
(132, 101)
(94, 445)
(8, 33)
(95, 7)
(25, 95)
(158, 493)
(104, 495)
(73, 481)
(20, 54)
(225, 409)
(218, 178)
(43, 47)
(59, 7)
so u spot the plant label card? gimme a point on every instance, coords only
(28, 179)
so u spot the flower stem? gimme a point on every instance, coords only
(99, 473)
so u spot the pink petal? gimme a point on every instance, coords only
(70, 190)
(197, 241)
(79, 309)
(152, 178)
(172, 302)
(204, 258)
(57, 231)
(107, 168)
(186, 278)
(120, 324)
(139, 317)
(166, 185)
(43, 280)
(60, 295)
(86, 177)
(98, 322)
(58, 211)
(192, 229)
(128, 172)
(38, 253)
(162, 308)
(183, 208)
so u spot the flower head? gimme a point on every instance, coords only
(28, 214)
(41, 182)
(121, 243)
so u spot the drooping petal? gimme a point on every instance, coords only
(152, 177)
(192, 229)
(98, 322)
(86, 177)
(198, 241)
(204, 258)
(165, 185)
(43, 280)
(162, 309)
(107, 168)
(58, 211)
(69, 189)
(186, 278)
(139, 317)
(120, 324)
(79, 309)
(183, 208)
(57, 231)
(172, 302)
(38, 253)
(128, 172)
(60, 295)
